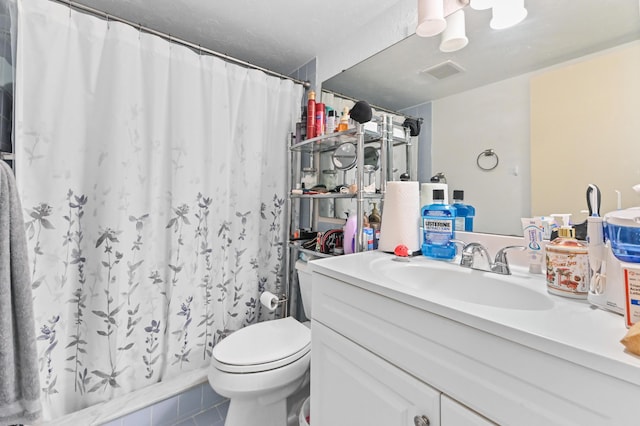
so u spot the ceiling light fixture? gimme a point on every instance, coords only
(436, 16)
(430, 18)
(481, 4)
(507, 13)
(454, 36)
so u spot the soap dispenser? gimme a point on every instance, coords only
(567, 263)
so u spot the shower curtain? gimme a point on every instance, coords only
(153, 183)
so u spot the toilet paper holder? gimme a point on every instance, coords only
(272, 302)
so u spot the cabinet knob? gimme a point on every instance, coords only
(421, 421)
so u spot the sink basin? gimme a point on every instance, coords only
(462, 284)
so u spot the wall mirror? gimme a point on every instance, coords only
(344, 157)
(491, 98)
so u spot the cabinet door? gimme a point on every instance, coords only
(352, 386)
(452, 413)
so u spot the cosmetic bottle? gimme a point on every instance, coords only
(331, 120)
(349, 233)
(320, 119)
(567, 263)
(374, 221)
(438, 228)
(464, 212)
(344, 120)
(311, 115)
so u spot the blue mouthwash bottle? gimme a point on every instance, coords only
(438, 227)
(464, 212)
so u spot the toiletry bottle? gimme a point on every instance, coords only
(349, 233)
(367, 234)
(311, 115)
(331, 120)
(320, 119)
(567, 263)
(374, 221)
(532, 233)
(464, 212)
(438, 228)
(344, 120)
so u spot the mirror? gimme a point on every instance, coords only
(487, 102)
(344, 157)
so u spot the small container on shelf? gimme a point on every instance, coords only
(329, 178)
(309, 177)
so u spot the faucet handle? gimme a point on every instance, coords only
(468, 252)
(501, 264)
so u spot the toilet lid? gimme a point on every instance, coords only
(263, 346)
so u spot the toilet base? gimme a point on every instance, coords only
(295, 402)
(265, 411)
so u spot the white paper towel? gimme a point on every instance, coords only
(426, 193)
(400, 217)
(269, 300)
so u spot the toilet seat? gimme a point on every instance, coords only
(264, 346)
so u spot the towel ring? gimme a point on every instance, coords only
(490, 164)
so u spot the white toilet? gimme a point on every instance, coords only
(258, 367)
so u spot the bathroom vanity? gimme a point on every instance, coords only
(431, 343)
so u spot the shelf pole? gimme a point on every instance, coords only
(359, 246)
(389, 138)
(383, 160)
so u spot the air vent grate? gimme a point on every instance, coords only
(443, 70)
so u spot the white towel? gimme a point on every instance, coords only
(19, 380)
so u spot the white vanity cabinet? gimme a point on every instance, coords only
(384, 355)
(355, 387)
(452, 413)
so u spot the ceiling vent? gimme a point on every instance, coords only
(443, 70)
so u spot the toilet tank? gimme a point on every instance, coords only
(304, 279)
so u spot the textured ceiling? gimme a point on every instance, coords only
(282, 35)
(554, 31)
(279, 35)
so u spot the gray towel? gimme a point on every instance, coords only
(19, 381)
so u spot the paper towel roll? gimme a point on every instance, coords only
(269, 300)
(400, 217)
(426, 193)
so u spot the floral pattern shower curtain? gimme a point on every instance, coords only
(153, 180)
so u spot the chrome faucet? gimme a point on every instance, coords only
(469, 252)
(499, 266)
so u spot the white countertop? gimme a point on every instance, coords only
(569, 329)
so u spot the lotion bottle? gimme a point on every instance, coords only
(349, 233)
(567, 263)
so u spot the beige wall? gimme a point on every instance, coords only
(585, 128)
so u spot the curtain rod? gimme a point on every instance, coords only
(172, 39)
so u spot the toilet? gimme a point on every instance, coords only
(259, 366)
